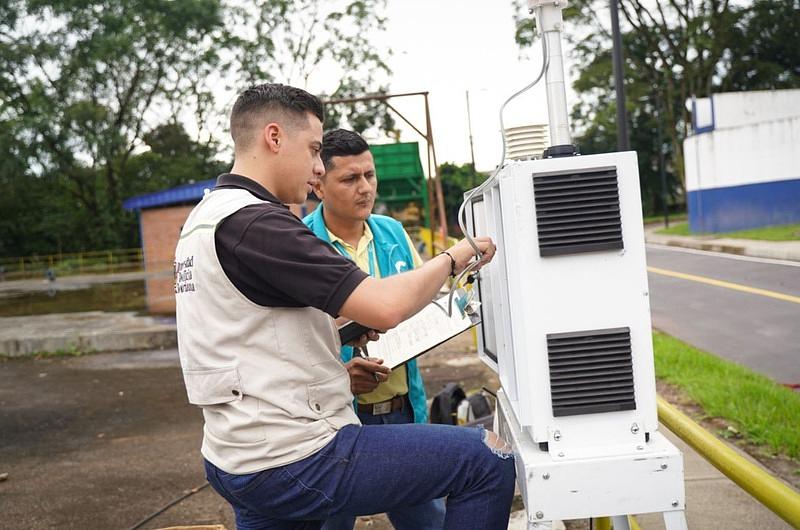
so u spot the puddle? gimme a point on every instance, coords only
(117, 296)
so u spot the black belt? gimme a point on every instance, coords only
(383, 407)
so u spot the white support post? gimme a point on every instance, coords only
(620, 522)
(675, 520)
(550, 21)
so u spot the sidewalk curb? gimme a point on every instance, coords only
(94, 331)
(780, 250)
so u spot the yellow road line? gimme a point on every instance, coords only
(726, 285)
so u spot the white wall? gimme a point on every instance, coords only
(764, 151)
(736, 109)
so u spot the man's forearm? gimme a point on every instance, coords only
(414, 290)
(384, 303)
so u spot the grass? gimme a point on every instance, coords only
(679, 229)
(765, 413)
(72, 351)
(765, 233)
(673, 218)
(770, 233)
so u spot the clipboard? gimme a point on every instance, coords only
(423, 332)
(351, 331)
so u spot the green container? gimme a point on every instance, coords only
(400, 176)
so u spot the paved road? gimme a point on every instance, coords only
(743, 309)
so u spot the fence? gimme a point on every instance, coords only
(67, 264)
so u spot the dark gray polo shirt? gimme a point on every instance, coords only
(275, 260)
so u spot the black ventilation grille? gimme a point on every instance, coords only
(591, 371)
(577, 212)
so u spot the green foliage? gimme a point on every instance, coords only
(764, 53)
(678, 229)
(769, 233)
(73, 350)
(674, 217)
(765, 233)
(672, 51)
(96, 98)
(293, 40)
(455, 181)
(173, 159)
(78, 81)
(764, 412)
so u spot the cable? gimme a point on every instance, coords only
(493, 177)
(168, 506)
(488, 182)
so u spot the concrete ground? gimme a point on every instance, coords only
(713, 500)
(102, 441)
(90, 331)
(782, 250)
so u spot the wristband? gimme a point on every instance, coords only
(452, 263)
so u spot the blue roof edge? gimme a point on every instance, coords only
(179, 194)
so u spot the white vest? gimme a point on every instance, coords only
(269, 380)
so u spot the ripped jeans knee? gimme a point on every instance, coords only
(497, 445)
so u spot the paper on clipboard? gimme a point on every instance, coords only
(420, 333)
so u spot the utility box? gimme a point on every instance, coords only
(565, 322)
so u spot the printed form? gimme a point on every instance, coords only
(420, 333)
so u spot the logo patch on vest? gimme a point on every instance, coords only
(182, 271)
(400, 266)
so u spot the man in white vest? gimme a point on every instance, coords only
(256, 294)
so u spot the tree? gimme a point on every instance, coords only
(80, 82)
(764, 54)
(303, 42)
(673, 51)
(96, 98)
(456, 180)
(173, 159)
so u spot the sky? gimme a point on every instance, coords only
(448, 48)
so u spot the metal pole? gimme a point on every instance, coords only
(768, 490)
(550, 21)
(661, 169)
(435, 175)
(623, 142)
(469, 126)
(373, 97)
(602, 523)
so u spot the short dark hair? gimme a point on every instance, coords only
(341, 142)
(259, 104)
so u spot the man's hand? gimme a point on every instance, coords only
(370, 336)
(462, 252)
(366, 374)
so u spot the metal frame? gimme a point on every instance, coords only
(433, 170)
(648, 481)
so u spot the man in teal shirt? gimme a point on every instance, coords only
(380, 246)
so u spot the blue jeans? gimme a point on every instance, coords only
(426, 516)
(378, 468)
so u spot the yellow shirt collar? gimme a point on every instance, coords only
(365, 240)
